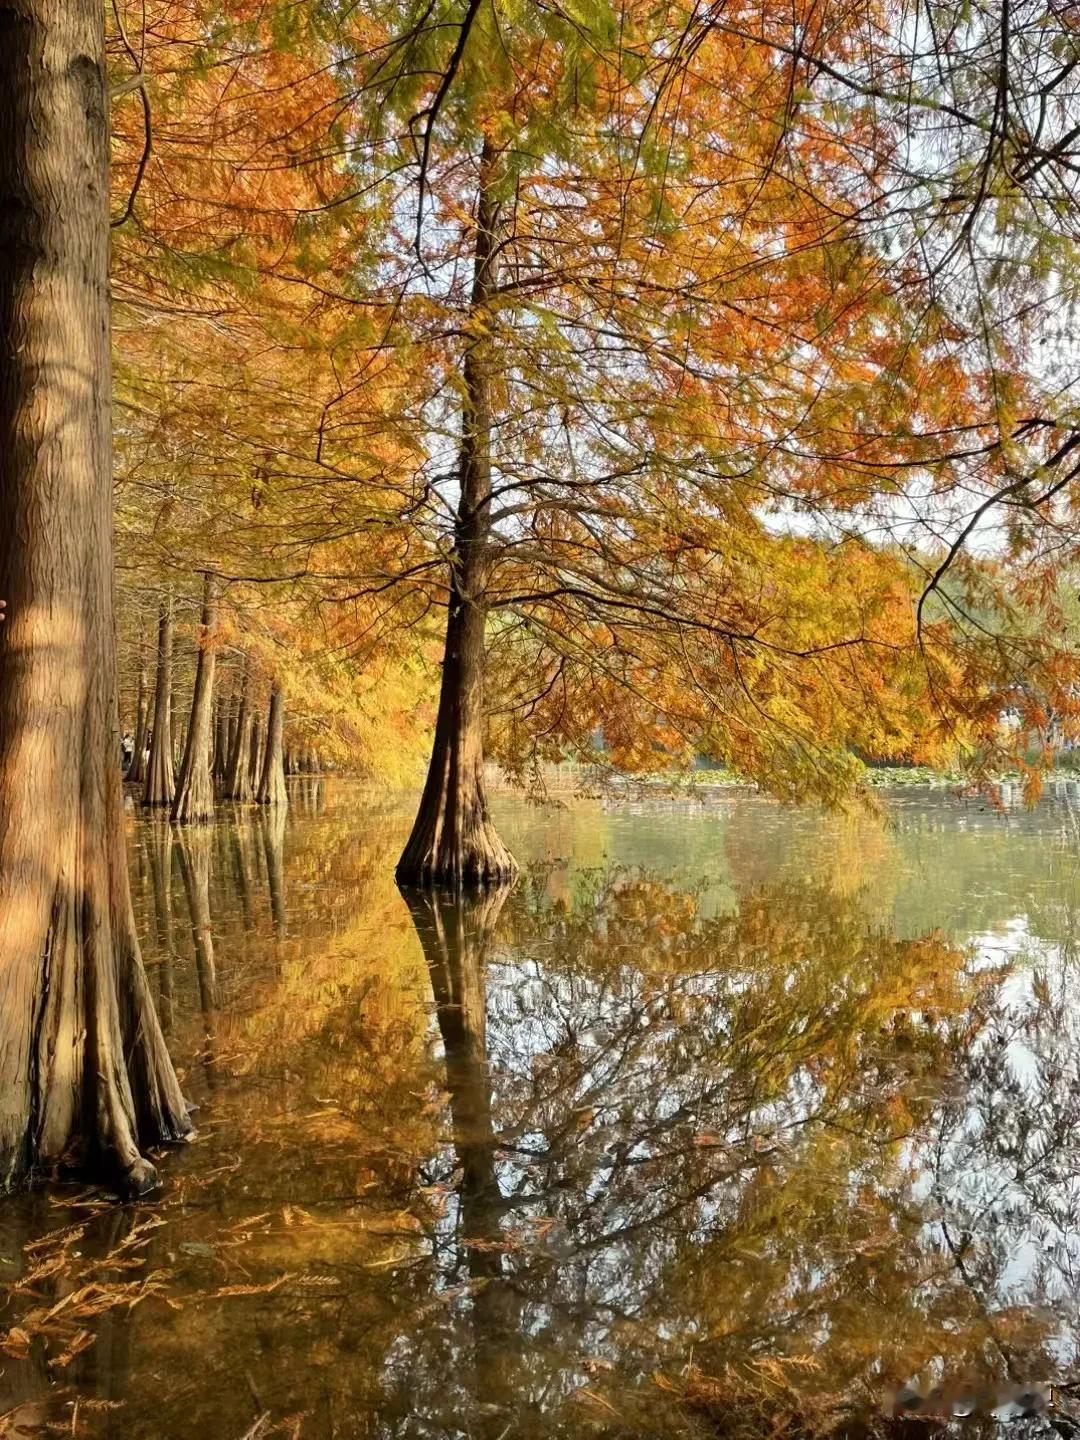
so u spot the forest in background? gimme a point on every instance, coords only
(741, 324)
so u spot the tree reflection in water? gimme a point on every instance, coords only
(704, 1158)
(581, 1156)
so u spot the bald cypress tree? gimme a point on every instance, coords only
(84, 1073)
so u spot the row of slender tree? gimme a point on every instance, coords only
(226, 752)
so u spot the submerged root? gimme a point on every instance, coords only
(95, 1085)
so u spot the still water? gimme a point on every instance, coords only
(727, 1119)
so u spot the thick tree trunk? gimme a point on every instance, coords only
(137, 769)
(237, 786)
(272, 789)
(84, 1073)
(160, 781)
(194, 801)
(453, 841)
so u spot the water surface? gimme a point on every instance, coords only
(726, 1118)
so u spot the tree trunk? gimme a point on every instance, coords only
(137, 769)
(232, 727)
(453, 840)
(194, 800)
(272, 789)
(255, 755)
(221, 742)
(160, 781)
(236, 777)
(84, 1073)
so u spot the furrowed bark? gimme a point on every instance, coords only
(160, 779)
(453, 841)
(194, 800)
(84, 1073)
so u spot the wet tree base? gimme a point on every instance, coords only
(433, 876)
(466, 867)
(135, 1180)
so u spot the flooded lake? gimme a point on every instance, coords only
(727, 1119)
